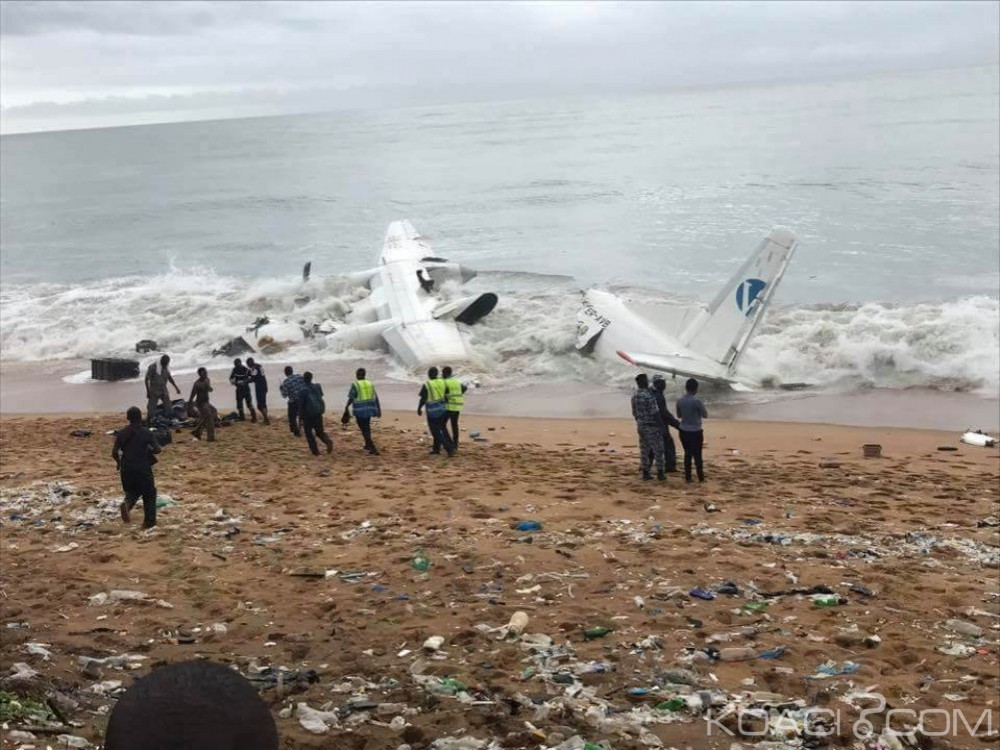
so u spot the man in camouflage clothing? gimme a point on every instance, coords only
(650, 426)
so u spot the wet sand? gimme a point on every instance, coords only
(305, 563)
(40, 388)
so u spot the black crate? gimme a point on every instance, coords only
(113, 368)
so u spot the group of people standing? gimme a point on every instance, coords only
(653, 421)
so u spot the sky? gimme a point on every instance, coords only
(90, 63)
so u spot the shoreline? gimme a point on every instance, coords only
(41, 388)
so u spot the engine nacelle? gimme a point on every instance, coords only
(365, 336)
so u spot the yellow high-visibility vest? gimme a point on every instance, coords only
(453, 389)
(364, 390)
(436, 390)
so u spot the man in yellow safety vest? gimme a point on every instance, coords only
(363, 398)
(433, 395)
(455, 400)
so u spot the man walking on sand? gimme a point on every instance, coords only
(291, 388)
(433, 394)
(454, 390)
(691, 411)
(133, 453)
(364, 399)
(240, 377)
(200, 400)
(311, 407)
(669, 420)
(649, 425)
(259, 381)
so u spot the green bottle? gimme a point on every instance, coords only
(599, 632)
(755, 606)
(420, 561)
(826, 600)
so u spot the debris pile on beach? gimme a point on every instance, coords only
(530, 593)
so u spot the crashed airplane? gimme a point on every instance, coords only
(405, 312)
(695, 341)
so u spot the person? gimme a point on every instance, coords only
(311, 407)
(454, 401)
(240, 377)
(200, 401)
(649, 425)
(291, 388)
(133, 452)
(259, 381)
(195, 705)
(669, 420)
(155, 391)
(433, 396)
(427, 284)
(363, 398)
(691, 411)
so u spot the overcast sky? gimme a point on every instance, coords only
(89, 64)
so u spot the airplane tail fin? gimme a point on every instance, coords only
(722, 331)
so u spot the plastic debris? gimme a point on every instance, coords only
(312, 720)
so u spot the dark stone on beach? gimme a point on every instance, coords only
(232, 348)
(113, 368)
(146, 345)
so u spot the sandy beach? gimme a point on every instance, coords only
(269, 557)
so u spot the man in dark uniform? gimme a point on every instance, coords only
(240, 377)
(133, 453)
(669, 420)
(259, 381)
(311, 408)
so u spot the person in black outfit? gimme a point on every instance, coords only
(259, 381)
(311, 408)
(240, 377)
(669, 420)
(133, 453)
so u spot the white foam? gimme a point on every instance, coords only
(953, 345)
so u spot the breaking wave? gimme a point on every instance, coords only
(952, 345)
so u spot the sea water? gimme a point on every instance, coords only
(186, 233)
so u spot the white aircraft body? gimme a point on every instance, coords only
(697, 341)
(404, 313)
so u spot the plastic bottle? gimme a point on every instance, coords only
(674, 704)
(420, 561)
(518, 622)
(529, 526)
(598, 632)
(965, 628)
(737, 654)
(826, 600)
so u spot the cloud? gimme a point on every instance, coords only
(226, 56)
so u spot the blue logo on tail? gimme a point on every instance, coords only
(747, 293)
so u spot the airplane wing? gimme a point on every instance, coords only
(687, 364)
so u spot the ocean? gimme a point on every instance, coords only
(185, 233)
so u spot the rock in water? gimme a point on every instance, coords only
(197, 705)
(232, 348)
(146, 345)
